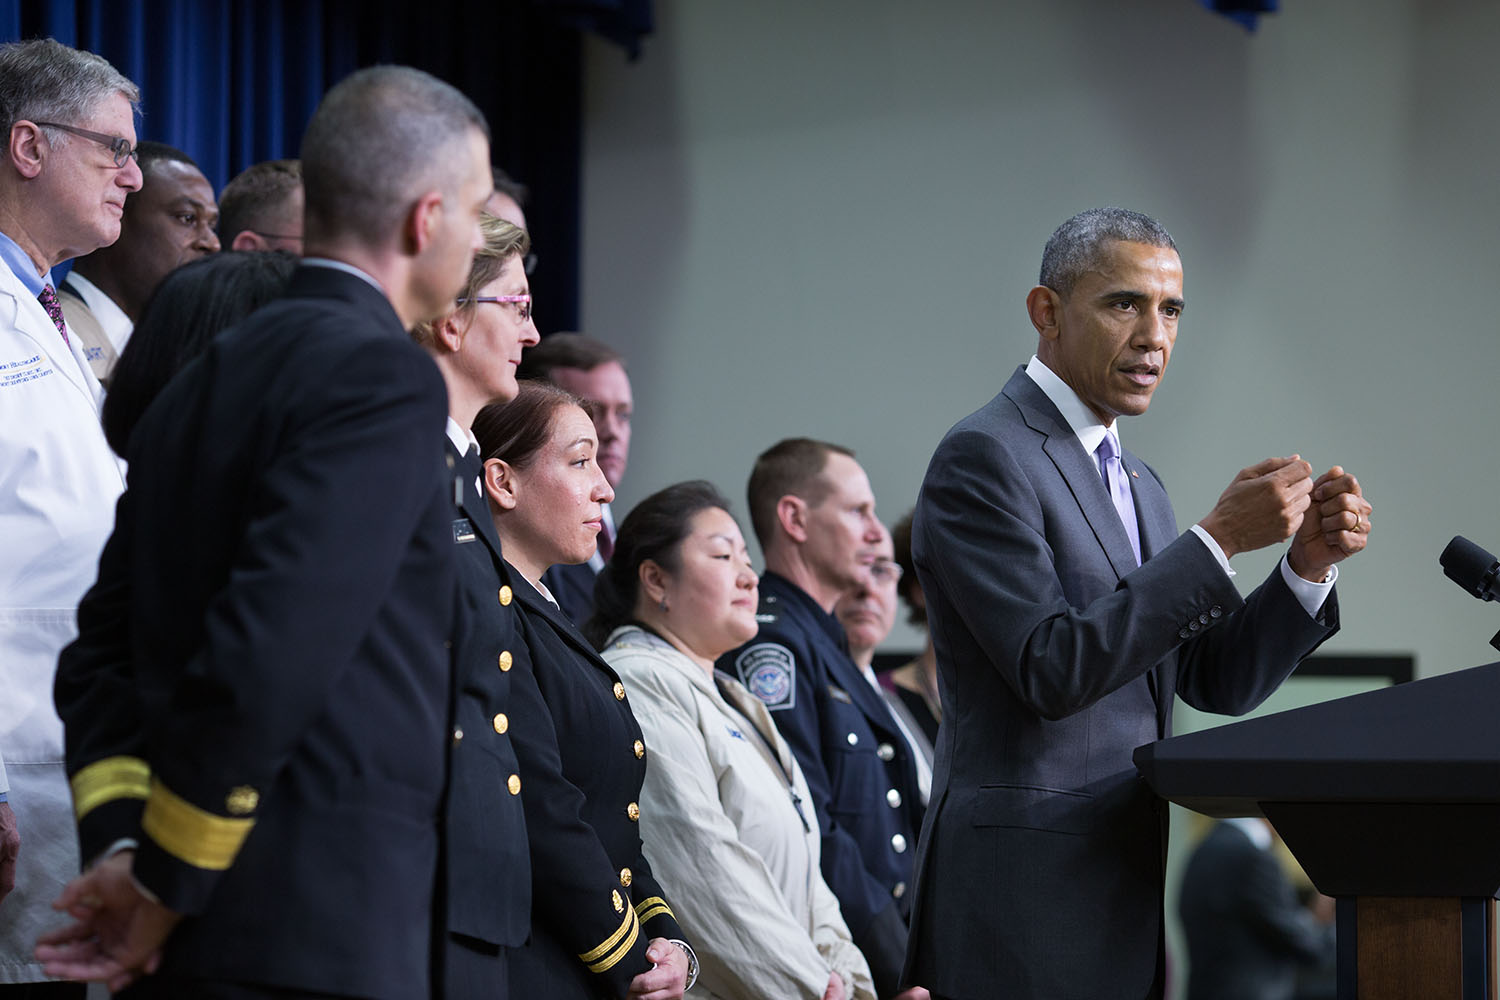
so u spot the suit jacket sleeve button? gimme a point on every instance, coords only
(640, 749)
(633, 811)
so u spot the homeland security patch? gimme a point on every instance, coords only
(769, 671)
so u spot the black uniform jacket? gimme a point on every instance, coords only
(595, 903)
(260, 687)
(487, 866)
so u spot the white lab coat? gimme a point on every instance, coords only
(58, 485)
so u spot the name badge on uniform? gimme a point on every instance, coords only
(839, 694)
(463, 530)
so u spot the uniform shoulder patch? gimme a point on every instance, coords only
(769, 671)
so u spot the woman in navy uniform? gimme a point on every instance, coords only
(600, 925)
(486, 876)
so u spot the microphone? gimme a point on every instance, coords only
(1472, 568)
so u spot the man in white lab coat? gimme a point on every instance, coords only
(68, 120)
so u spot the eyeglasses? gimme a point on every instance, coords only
(884, 571)
(117, 145)
(522, 302)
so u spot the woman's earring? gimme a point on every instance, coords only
(663, 604)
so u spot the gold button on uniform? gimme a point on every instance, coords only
(242, 801)
(633, 811)
(501, 723)
(640, 749)
(619, 691)
(505, 660)
(505, 596)
(514, 784)
(626, 878)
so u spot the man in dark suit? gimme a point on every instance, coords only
(256, 707)
(1067, 612)
(814, 514)
(1246, 933)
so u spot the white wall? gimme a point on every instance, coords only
(822, 217)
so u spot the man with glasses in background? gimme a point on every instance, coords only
(168, 222)
(69, 122)
(261, 208)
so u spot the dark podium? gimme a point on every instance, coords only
(1390, 800)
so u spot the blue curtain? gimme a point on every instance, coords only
(233, 82)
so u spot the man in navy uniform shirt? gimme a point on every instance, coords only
(814, 514)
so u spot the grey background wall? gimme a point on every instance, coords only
(822, 218)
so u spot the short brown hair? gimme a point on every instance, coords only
(791, 467)
(566, 350)
(502, 241)
(516, 431)
(255, 195)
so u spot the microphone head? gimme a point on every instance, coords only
(1467, 565)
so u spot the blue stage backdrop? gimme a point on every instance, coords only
(233, 82)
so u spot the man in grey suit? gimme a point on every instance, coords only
(1067, 611)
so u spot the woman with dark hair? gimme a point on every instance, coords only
(726, 813)
(188, 309)
(601, 925)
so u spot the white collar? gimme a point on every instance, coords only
(1085, 424)
(1253, 827)
(112, 319)
(462, 439)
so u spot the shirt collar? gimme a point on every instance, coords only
(112, 319)
(339, 265)
(22, 266)
(462, 439)
(1086, 426)
(1254, 828)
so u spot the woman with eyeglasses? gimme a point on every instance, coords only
(601, 924)
(726, 814)
(476, 346)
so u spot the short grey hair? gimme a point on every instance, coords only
(379, 139)
(1076, 246)
(45, 80)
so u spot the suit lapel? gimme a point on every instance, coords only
(1153, 512)
(1077, 469)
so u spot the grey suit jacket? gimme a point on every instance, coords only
(1040, 862)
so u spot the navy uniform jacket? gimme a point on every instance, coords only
(259, 690)
(595, 903)
(486, 861)
(859, 770)
(1057, 656)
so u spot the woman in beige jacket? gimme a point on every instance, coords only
(725, 814)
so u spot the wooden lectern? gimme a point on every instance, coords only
(1390, 801)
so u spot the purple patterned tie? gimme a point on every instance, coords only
(1118, 484)
(48, 298)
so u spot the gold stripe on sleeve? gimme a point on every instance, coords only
(192, 834)
(653, 906)
(107, 780)
(609, 942)
(614, 957)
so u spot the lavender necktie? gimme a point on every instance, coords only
(1118, 483)
(48, 298)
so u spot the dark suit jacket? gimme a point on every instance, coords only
(262, 660)
(1246, 932)
(486, 860)
(573, 586)
(858, 767)
(1040, 865)
(595, 903)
